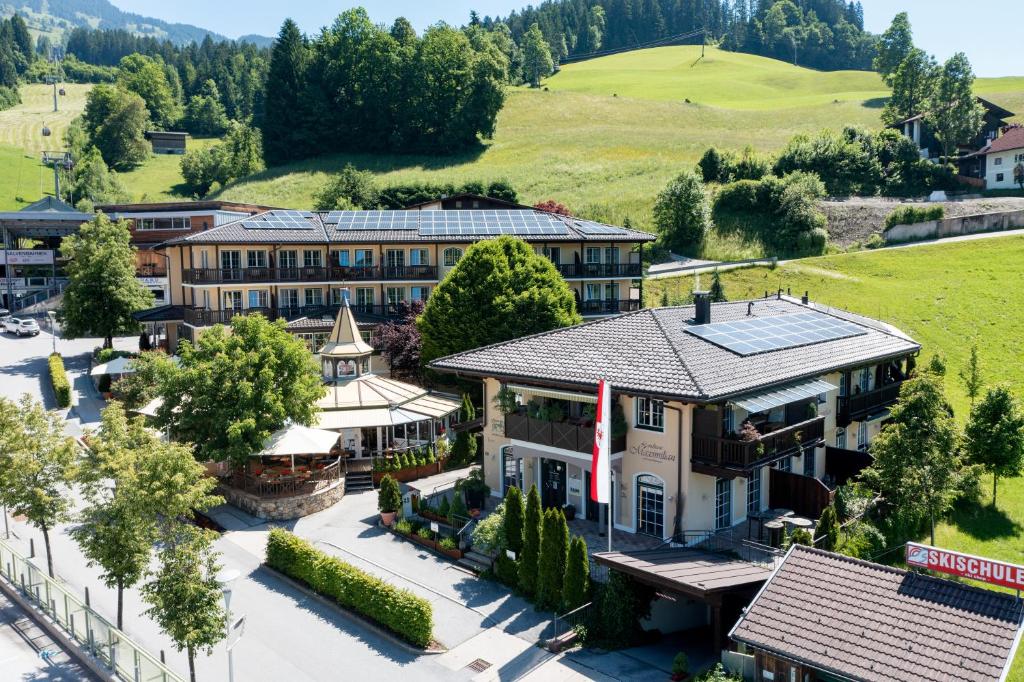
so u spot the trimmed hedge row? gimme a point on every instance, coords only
(908, 215)
(402, 612)
(59, 379)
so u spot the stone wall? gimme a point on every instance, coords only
(952, 227)
(283, 508)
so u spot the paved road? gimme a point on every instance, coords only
(22, 642)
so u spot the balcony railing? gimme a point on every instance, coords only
(731, 453)
(151, 270)
(577, 270)
(854, 407)
(609, 307)
(565, 435)
(198, 317)
(332, 273)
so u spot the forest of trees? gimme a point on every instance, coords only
(358, 86)
(823, 34)
(17, 52)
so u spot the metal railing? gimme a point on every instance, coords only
(745, 454)
(562, 624)
(574, 270)
(288, 485)
(852, 407)
(609, 306)
(313, 273)
(109, 646)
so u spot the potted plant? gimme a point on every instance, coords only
(475, 489)
(570, 512)
(680, 667)
(104, 386)
(389, 500)
(447, 546)
(506, 400)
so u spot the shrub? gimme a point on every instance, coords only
(751, 166)
(424, 532)
(513, 520)
(680, 664)
(531, 543)
(458, 512)
(875, 241)
(908, 215)
(801, 536)
(682, 214)
(554, 548)
(623, 604)
(402, 612)
(104, 383)
(59, 379)
(864, 541)
(577, 575)
(404, 527)
(507, 570)
(444, 509)
(715, 166)
(351, 188)
(447, 543)
(827, 531)
(464, 450)
(844, 162)
(389, 497)
(489, 534)
(743, 195)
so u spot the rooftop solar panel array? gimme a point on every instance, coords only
(589, 228)
(764, 334)
(281, 220)
(373, 220)
(486, 223)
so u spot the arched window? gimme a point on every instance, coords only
(650, 505)
(452, 256)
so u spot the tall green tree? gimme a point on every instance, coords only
(92, 181)
(204, 113)
(146, 77)
(994, 435)
(913, 83)
(37, 464)
(971, 375)
(894, 45)
(237, 385)
(682, 214)
(954, 115)
(576, 585)
(499, 290)
(283, 128)
(717, 290)
(183, 594)
(514, 520)
(554, 549)
(528, 560)
(537, 61)
(918, 467)
(827, 531)
(115, 122)
(102, 291)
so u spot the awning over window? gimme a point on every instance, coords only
(528, 392)
(777, 397)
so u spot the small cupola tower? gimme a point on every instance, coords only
(345, 355)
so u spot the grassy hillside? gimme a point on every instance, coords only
(947, 296)
(607, 157)
(23, 179)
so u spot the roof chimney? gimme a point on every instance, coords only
(806, 298)
(702, 301)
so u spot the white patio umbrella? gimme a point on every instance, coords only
(296, 439)
(118, 365)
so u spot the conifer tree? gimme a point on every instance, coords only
(827, 531)
(554, 548)
(577, 575)
(531, 543)
(514, 520)
(284, 117)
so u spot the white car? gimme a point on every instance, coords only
(21, 327)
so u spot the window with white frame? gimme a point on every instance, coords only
(419, 293)
(862, 436)
(452, 256)
(312, 259)
(339, 296)
(728, 419)
(784, 464)
(419, 257)
(998, 161)
(723, 503)
(592, 292)
(287, 259)
(364, 297)
(809, 463)
(754, 491)
(592, 255)
(259, 298)
(396, 295)
(314, 296)
(343, 258)
(256, 259)
(364, 258)
(288, 298)
(232, 300)
(650, 414)
(841, 438)
(177, 223)
(394, 258)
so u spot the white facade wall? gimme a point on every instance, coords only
(999, 168)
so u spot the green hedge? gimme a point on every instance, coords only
(402, 612)
(59, 378)
(908, 215)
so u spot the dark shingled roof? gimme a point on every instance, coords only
(871, 622)
(648, 352)
(320, 232)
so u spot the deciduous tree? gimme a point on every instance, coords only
(537, 61)
(994, 436)
(682, 214)
(912, 85)
(401, 344)
(894, 45)
(102, 291)
(146, 77)
(37, 464)
(115, 122)
(499, 290)
(237, 385)
(970, 375)
(954, 115)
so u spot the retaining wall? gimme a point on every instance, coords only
(952, 227)
(283, 508)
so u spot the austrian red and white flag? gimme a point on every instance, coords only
(601, 465)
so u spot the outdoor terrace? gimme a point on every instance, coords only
(729, 452)
(592, 270)
(855, 407)
(575, 434)
(607, 307)
(199, 317)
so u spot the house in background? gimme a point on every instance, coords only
(916, 129)
(167, 142)
(1001, 159)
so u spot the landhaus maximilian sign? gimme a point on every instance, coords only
(966, 565)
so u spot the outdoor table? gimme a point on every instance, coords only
(774, 528)
(798, 522)
(765, 516)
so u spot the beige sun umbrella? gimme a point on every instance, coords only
(296, 439)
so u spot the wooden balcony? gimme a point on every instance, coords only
(565, 435)
(599, 270)
(319, 273)
(719, 453)
(855, 407)
(608, 307)
(198, 317)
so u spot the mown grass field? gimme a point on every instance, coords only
(24, 180)
(948, 297)
(606, 156)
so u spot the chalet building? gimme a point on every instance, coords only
(824, 617)
(1002, 160)
(155, 223)
(167, 142)
(301, 265)
(916, 129)
(722, 412)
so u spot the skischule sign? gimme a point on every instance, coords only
(966, 565)
(652, 452)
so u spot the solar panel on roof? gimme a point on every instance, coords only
(281, 220)
(373, 220)
(753, 335)
(596, 228)
(489, 223)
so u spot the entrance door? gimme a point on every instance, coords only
(552, 481)
(723, 503)
(513, 468)
(594, 509)
(650, 506)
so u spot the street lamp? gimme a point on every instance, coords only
(53, 328)
(225, 578)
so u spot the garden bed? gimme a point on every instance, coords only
(429, 542)
(409, 473)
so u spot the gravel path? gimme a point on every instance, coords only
(855, 219)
